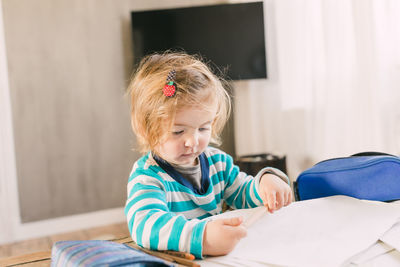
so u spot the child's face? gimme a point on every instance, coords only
(189, 136)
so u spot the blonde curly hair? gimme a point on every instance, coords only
(153, 113)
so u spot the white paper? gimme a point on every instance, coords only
(233, 262)
(390, 259)
(317, 232)
(378, 249)
(392, 237)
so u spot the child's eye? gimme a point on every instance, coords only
(177, 132)
(204, 129)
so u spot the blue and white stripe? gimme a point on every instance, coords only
(164, 214)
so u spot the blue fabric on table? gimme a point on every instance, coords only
(100, 253)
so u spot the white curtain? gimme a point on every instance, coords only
(334, 82)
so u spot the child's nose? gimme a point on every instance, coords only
(192, 140)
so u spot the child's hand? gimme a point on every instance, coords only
(221, 236)
(275, 193)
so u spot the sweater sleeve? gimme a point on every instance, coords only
(152, 225)
(240, 189)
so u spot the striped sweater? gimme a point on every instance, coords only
(164, 214)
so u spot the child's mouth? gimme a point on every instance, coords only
(188, 155)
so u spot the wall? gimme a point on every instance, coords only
(71, 127)
(69, 145)
(8, 183)
(333, 82)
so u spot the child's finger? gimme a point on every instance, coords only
(233, 221)
(280, 200)
(239, 232)
(271, 201)
(288, 198)
(235, 227)
(291, 197)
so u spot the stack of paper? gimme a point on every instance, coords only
(333, 231)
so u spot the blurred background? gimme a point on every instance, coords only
(66, 147)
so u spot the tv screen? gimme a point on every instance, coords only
(231, 36)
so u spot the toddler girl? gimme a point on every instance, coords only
(178, 107)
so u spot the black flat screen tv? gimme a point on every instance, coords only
(230, 36)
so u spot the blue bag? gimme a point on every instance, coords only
(367, 175)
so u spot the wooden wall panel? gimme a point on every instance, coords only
(69, 63)
(68, 70)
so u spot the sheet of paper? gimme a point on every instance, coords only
(378, 249)
(390, 259)
(228, 261)
(392, 236)
(317, 232)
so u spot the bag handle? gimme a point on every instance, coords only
(371, 153)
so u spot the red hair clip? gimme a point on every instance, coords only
(170, 87)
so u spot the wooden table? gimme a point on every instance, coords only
(44, 258)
